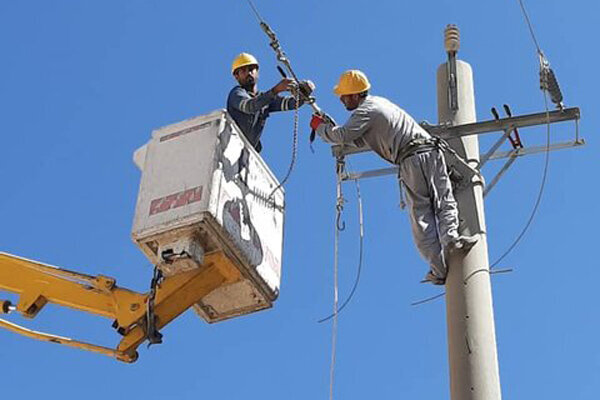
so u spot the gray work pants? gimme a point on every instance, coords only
(432, 207)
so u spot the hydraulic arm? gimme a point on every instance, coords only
(136, 316)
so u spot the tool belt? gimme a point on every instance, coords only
(417, 146)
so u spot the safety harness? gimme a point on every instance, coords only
(424, 145)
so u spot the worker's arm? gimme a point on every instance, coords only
(241, 100)
(359, 122)
(289, 102)
(284, 104)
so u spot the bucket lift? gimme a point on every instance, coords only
(209, 216)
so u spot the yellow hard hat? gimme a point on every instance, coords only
(242, 60)
(352, 82)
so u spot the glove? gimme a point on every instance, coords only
(307, 87)
(315, 121)
(328, 119)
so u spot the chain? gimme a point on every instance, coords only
(153, 335)
(296, 92)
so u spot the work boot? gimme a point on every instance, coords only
(434, 279)
(462, 243)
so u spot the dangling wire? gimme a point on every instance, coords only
(360, 256)
(540, 193)
(545, 84)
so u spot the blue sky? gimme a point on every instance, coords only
(83, 84)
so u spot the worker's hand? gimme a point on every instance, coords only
(328, 119)
(284, 85)
(307, 87)
(315, 121)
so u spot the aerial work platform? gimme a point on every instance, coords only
(209, 217)
(203, 189)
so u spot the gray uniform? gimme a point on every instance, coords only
(391, 132)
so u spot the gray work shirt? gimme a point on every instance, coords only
(379, 124)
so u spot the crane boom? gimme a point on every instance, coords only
(38, 284)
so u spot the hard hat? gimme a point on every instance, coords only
(352, 82)
(242, 60)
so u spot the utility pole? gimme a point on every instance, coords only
(472, 348)
(469, 311)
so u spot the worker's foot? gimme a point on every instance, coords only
(463, 244)
(434, 279)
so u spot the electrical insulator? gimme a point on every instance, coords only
(452, 38)
(549, 83)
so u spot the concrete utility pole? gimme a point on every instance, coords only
(470, 316)
(471, 333)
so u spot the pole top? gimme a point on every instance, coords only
(451, 38)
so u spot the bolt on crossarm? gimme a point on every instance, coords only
(39, 284)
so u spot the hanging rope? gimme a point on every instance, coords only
(339, 208)
(360, 256)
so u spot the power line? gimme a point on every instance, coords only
(543, 76)
(530, 27)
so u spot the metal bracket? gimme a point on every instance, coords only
(452, 82)
(507, 125)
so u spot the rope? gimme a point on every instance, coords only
(360, 257)
(340, 226)
(339, 208)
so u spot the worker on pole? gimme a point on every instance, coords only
(250, 108)
(394, 135)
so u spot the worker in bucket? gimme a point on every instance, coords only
(394, 135)
(250, 108)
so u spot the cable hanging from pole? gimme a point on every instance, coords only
(360, 251)
(548, 84)
(548, 81)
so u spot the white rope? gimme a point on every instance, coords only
(360, 252)
(339, 206)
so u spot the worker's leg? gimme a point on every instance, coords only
(421, 213)
(444, 204)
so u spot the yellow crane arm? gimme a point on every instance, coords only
(38, 284)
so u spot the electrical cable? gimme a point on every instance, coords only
(537, 46)
(547, 158)
(437, 296)
(543, 76)
(540, 193)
